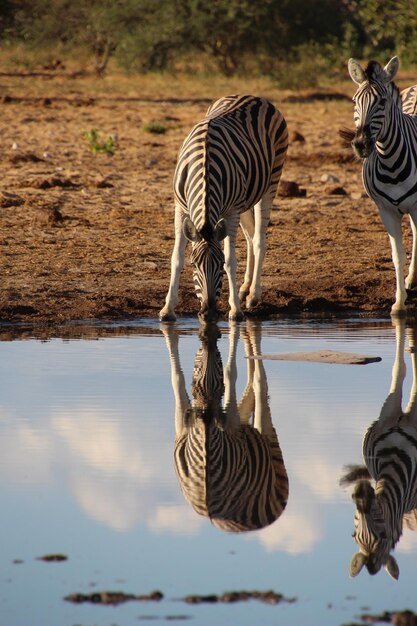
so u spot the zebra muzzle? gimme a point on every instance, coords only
(362, 143)
(209, 312)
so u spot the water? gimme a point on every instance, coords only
(86, 470)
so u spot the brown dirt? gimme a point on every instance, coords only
(86, 236)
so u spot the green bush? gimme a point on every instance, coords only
(236, 36)
(156, 128)
(309, 65)
(107, 146)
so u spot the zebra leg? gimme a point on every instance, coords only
(411, 409)
(411, 280)
(230, 378)
(392, 222)
(235, 312)
(247, 224)
(262, 414)
(262, 212)
(247, 402)
(182, 401)
(167, 313)
(391, 410)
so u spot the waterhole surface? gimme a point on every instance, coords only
(87, 472)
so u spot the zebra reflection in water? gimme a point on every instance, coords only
(228, 459)
(390, 454)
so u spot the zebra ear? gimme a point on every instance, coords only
(392, 568)
(221, 229)
(190, 231)
(356, 72)
(391, 69)
(357, 562)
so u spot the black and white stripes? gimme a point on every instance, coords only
(409, 100)
(386, 138)
(228, 171)
(227, 456)
(385, 488)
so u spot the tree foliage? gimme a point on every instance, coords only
(233, 35)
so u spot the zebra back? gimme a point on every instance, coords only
(230, 159)
(236, 478)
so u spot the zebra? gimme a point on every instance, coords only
(409, 100)
(390, 455)
(228, 170)
(227, 457)
(385, 138)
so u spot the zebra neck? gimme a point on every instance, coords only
(391, 139)
(391, 508)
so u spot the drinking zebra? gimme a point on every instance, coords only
(230, 470)
(385, 138)
(390, 455)
(228, 170)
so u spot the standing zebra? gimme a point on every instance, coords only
(386, 139)
(409, 100)
(228, 171)
(390, 454)
(229, 470)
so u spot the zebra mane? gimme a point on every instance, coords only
(373, 70)
(375, 73)
(207, 231)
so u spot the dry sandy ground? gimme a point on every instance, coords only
(86, 236)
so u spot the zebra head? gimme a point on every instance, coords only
(207, 259)
(372, 99)
(207, 386)
(371, 533)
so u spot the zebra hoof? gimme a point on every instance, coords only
(208, 316)
(236, 317)
(251, 303)
(398, 311)
(167, 317)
